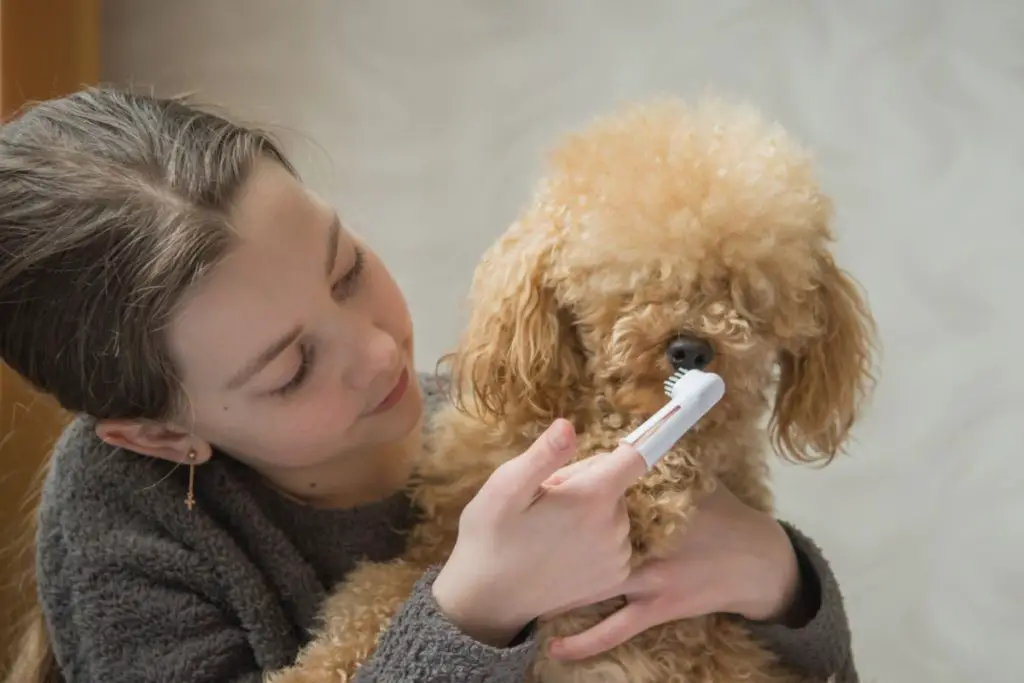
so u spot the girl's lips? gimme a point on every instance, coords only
(396, 394)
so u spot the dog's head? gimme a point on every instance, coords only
(667, 237)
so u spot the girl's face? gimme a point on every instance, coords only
(295, 351)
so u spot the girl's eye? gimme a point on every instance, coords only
(342, 289)
(306, 359)
(347, 284)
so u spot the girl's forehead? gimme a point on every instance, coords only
(273, 206)
(260, 289)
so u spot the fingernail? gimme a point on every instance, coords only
(561, 436)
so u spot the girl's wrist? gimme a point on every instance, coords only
(473, 613)
(778, 579)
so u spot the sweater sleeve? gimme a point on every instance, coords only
(423, 646)
(151, 621)
(822, 645)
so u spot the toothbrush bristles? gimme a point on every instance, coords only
(673, 380)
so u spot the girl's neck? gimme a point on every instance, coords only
(366, 477)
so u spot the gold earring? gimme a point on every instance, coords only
(190, 497)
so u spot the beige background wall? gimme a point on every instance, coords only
(425, 122)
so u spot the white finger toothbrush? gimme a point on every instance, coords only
(692, 393)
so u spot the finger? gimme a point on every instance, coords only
(591, 600)
(570, 470)
(651, 579)
(552, 449)
(646, 582)
(629, 621)
(687, 589)
(615, 471)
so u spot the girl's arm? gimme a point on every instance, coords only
(119, 623)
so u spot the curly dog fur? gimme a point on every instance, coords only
(659, 220)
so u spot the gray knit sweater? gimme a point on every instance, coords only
(137, 588)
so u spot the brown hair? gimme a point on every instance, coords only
(112, 205)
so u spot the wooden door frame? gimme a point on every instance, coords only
(48, 48)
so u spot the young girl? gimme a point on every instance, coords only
(241, 366)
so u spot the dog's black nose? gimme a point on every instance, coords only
(689, 353)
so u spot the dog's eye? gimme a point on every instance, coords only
(689, 353)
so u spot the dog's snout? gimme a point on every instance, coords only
(689, 353)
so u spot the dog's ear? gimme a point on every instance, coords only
(826, 376)
(519, 359)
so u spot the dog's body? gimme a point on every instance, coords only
(661, 221)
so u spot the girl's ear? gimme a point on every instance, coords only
(155, 439)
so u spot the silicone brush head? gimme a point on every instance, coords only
(692, 393)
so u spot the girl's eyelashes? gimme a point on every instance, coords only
(347, 285)
(306, 359)
(342, 289)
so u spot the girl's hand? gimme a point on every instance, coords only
(731, 559)
(529, 546)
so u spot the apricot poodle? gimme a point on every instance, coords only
(664, 236)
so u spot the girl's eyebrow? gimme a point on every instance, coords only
(333, 234)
